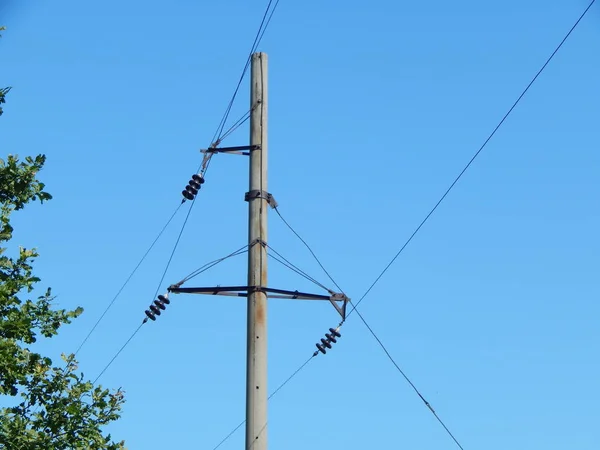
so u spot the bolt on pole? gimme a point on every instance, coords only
(256, 362)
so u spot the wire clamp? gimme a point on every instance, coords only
(259, 241)
(261, 194)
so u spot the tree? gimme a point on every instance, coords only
(54, 407)
(3, 92)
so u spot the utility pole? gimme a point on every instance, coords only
(256, 357)
(257, 291)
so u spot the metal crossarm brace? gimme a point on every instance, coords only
(237, 150)
(243, 291)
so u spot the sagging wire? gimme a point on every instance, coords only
(266, 19)
(211, 264)
(127, 280)
(288, 379)
(334, 334)
(287, 263)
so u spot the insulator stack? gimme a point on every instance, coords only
(331, 338)
(157, 306)
(194, 185)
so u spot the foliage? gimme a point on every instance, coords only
(55, 408)
(3, 92)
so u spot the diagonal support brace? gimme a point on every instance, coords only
(337, 297)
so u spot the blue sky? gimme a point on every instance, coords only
(374, 109)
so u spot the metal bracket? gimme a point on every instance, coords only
(258, 241)
(335, 298)
(261, 194)
(238, 150)
(243, 291)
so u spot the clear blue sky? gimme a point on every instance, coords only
(374, 108)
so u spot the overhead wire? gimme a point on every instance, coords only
(217, 138)
(174, 248)
(236, 125)
(155, 294)
(268, 22)
(211, 264)
(118, 353)
(287, 263)
(481, 148)
(293, 269)
(287, 380)
(116, 296)
(220, 133)
(205, 168)
(309, 249)
(204, 268)
(355, 306)
(257, 40)
(110, 304)
(408, 380)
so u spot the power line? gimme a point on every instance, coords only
(475, 155)
(288, 379)
(218, 136)
(236, 125)
(174, 248)
(231, 433)
(408, 380)
(412, 385)
(118, 352)
(309, 249)
(161, 279)
(268, 22)
(427, 218)
(204, 268)
(155, 293)
(127, 280)
(211, 264)
(287, 263)
(121, 290)
(205, 165)
(220, 133)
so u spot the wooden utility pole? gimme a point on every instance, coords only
(256, 362)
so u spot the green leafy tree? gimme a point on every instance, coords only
(3, 92)
(53, 407)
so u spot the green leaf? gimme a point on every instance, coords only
(44, 406)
